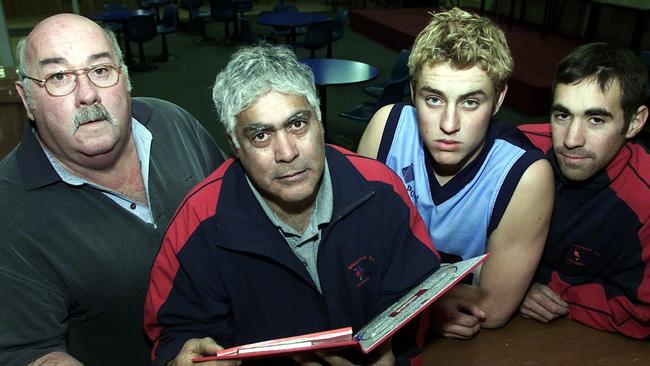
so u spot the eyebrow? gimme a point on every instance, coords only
(599, 112)
(589, 112)
(260, 127)
(477, 92)
(63, 61)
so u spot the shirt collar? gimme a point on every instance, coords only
(322, 210)
(142, 139)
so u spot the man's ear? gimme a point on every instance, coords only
(235, 151)
(23, 97)
(637, 123)
(500, 99)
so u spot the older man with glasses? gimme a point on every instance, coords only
(85, 199)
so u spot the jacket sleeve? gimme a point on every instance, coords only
(616, 301)
(185, 299)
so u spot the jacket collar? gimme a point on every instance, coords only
(350, 189)
(33, 166)
(600, 180)
(246, 228)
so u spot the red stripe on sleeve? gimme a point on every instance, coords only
(198, 205)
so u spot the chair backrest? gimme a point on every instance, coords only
(141, 27)
(223, 11)
(400, 66)
(192, 6)
(285, 8)
(115, 7)
(318, 35)
(170, 16)
(247, 32)
(393, 92)
(339, 24)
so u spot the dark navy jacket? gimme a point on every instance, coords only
(597, 255)
(224, 271)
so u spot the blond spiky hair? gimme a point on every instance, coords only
(465, 40)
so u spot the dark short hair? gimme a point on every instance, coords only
(607, 63)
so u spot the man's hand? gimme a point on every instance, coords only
(56, 359)
(543, 304)
(456, 318)
(200, 347)
(382, 356)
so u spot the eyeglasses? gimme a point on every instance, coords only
(64, 82)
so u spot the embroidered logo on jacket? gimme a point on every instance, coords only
(361, 269)
(408, 174)
(579, 255)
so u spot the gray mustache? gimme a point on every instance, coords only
(91, 113)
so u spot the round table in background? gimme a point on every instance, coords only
(332, 71)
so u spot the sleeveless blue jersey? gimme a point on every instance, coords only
(461, 214)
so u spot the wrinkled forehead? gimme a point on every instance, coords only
(67, 44)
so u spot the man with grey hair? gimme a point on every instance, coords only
(288, 237)
(85, 198)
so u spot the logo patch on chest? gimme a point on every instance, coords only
(361, 268)
(579, 255)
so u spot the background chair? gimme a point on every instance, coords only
(224, 12)
(141, 28)
(339, 24)
(319, 35)
(392, 93)
(399, 71)
(285, 32)
(196, 15)
(247, 33)
(116, 27)
(169, 24)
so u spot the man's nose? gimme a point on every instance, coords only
(574, 136)
(285, 147)
(87, 93)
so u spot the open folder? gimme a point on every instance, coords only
(374, 333)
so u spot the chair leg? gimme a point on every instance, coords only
(128, 53)
(165, 52)
(202, 27)
(143, 59)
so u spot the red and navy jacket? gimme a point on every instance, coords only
(225, 271)
(597, 255)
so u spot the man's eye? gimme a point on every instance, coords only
(298, 124)
(58, 77)
(259, 136)
(101, 71)
(597, 120)
(560, 116)
(431, 100)
(470, 103)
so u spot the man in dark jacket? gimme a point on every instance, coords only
(289, 237)
(596, 264)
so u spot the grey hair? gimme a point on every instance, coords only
(255, 71)
(23, 71)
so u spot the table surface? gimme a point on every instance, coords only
(292, 19)
(332, 71)
(528, 342)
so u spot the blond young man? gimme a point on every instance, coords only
(479, 185)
